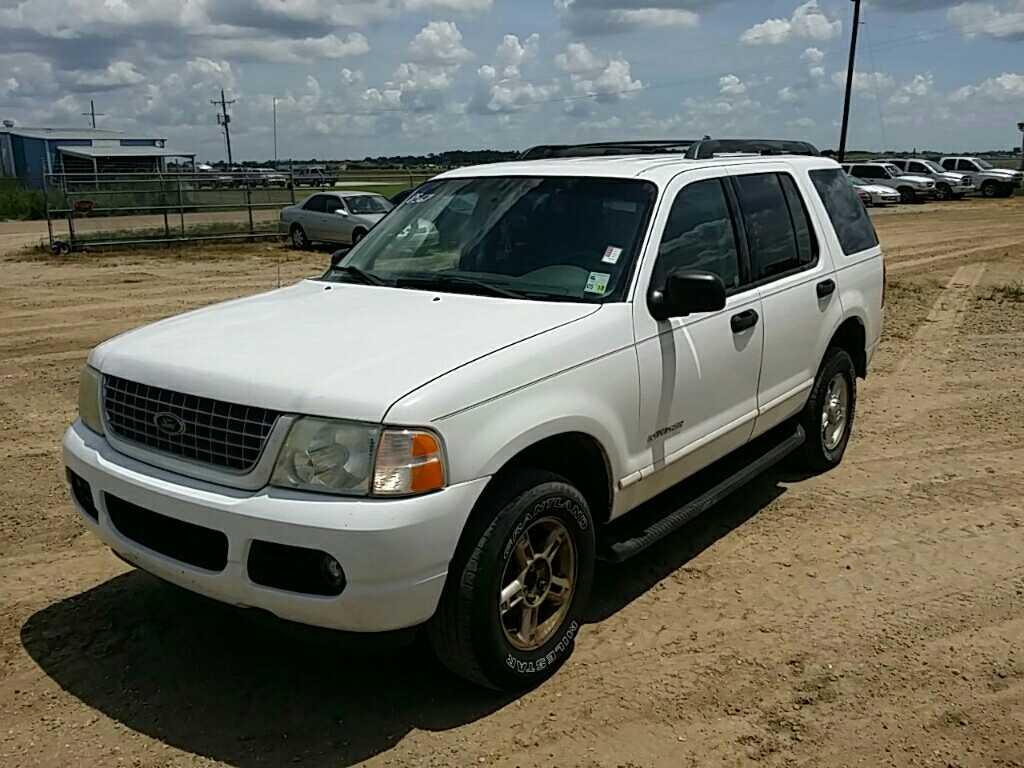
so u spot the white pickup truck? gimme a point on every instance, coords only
(439, 430)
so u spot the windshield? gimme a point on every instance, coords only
(857, 181)
(367, 204)
(552, 238)
(933, 166)
(985, 165)
(893, 170)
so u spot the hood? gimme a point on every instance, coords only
(914, 179)
(877, 189)
(369, 218)
(953, 178)
(326, 349)
(1005, 173)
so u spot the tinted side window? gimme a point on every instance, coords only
(773, 243)
(966, 165)
(315, 203)
(850, 220)
(699, 234)
(807, 246)
(918, 168)
(949, 165)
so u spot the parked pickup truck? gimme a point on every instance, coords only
(450, 426)
(991, 181)
(949, 185)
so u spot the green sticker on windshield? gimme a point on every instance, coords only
(597, 283)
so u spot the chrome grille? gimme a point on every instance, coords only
(199, 429)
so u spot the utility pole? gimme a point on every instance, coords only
(1021, 126)
(849, 80)
(93, 113)
(224, 119)
(275, 131)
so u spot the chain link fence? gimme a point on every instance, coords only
(102, 210)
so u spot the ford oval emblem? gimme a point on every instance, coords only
(168, 423)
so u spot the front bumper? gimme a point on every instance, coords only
(395, 552)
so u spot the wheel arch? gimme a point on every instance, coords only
(851, 335)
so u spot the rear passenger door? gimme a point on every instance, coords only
(312, 216)
(795, 279)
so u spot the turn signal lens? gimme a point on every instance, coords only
(89, 386)
(408, 462)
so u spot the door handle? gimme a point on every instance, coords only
(826, 288)
(743, 321)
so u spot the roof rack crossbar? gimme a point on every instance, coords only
(709, 148)
(608, 148)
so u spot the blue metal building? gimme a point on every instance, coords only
(29, 153)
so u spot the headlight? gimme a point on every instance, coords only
(352, 459)
(328, 456)
(89, 386)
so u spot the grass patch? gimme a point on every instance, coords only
(1010, 292)
(18, 203)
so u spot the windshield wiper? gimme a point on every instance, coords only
(441, 282)
(367, 278)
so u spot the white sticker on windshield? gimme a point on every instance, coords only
(611, 255)
(419, 197)
(597, 283)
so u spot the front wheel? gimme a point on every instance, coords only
(517, 587)
(907, 195)
(943, 192)
(827, 418)
(990, 189)
(358, 235)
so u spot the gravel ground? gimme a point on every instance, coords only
(873, 616)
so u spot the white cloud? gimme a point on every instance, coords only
(918, 88)
(578, 59)
(116, 75)
(987, 19)
(813, 56)
(731, 85)
(866, 81)
(1007, 87)
(789, 95)
(808, 22)
(652, 18)
(440, 42)
(464, 6)
(512, 53)
(596, 17)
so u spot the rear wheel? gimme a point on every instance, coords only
(907, 195)
(513, 602)
(827, 418)
(298, 237)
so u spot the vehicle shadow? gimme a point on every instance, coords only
(247, 689)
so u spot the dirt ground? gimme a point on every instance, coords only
(873, 616)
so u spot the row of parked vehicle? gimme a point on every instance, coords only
(909, 180)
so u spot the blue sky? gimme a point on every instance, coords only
(358, 77)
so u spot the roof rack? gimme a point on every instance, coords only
(708, 148)
(606, 148)
(694, 149)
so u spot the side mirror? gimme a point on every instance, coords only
(686, 291)
(338, 255)
(341, 212)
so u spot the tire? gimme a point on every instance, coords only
(298, 237)
(824, 447)
(943, 192)
(481, 639)
(990, 189)
(358, 235)
(907, 195)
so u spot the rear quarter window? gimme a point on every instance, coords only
(850, 220)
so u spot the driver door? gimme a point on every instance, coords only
(699, 373)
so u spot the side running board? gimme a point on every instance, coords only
(625, 548)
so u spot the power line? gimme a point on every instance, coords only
(224, 119)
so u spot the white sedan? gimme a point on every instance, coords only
(333, 217)
(878, 194)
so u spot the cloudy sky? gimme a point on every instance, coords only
(358, 77)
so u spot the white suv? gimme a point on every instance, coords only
(439, 429)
